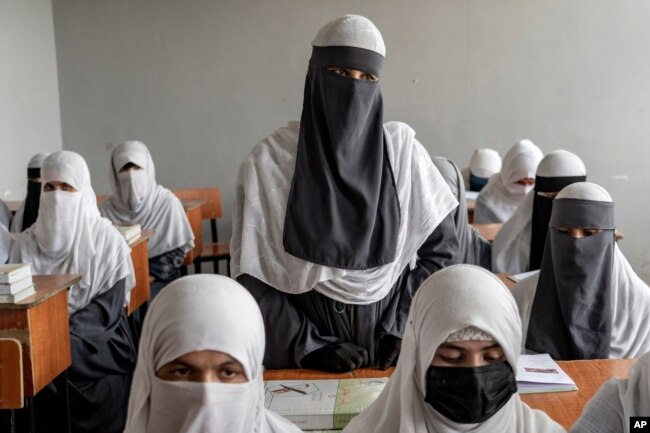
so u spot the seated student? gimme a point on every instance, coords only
(138, 199)
(6, 241)
(28, 211)
(70, 237)
(473, 249)
(506, 190)
(484, 164)
(519, 244)
(200, 362)
(586, 302)
(610, 409)
(456, 372)
(5, 215)
(330, 213)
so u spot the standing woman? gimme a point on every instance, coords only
(472, 248)
(519, 245)
(138, 199)
(200, 363)
(70, 237)
(506, 190)
(331, 212)
(28, 211)
(586, 302)
(456, 370)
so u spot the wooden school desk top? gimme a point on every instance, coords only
(488, 231)
(193, 212)
(40, 323)
(140, 258)
(563, 407)
(13, 205)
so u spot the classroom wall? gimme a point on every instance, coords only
(30, 119)
(201, 81)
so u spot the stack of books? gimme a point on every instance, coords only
(321, 405)
(15, 282)
(130, 232)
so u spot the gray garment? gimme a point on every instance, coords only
(5, 215)
(473, 249)
(603, 413)
(296, 325)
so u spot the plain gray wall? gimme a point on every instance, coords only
(30, 120)
(201, 81)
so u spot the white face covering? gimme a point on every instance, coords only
(194, 313)
(519, 191)
(133, 185)
(56, 233)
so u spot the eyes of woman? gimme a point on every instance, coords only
(579, 233)
(354, 74)
(459, 357)
(225, 374)
(61, 186)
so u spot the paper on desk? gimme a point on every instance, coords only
(471, 195)
(518, 277)
(540, 373)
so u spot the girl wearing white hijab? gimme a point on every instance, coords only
(6, 241)
(138, 199)
(455, 372)
(610, 409)
(483, 164)
(28, 210)
(209, 317)
(70, 237)
(506, 190)
(519, 244)
(586, 302)
(330, 212)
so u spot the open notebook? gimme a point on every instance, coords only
(539, 373)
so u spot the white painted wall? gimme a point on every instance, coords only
(201, 81)
(30, 120)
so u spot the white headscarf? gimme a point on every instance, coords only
(70, 237)
(485, 162)
(630, 295)
(262, 190)
(499, 199)
(6, 241)
(194, 313)
(450, 300)
(36, 161)
(511, 248)
(138, 199)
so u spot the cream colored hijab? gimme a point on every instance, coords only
(201, 312)
(451, 299)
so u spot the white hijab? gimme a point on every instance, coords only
(70, 237)
(36, 161)
(138, 199)
(6, 241)
(262, 190)
(483, 163)
(453, 298)
(499, 199)
(511, 248)
(630, 295)
(201, 312)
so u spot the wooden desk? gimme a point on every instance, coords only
(505, 280)
(471, 204)
(40, 323)
(193, 212)
(140, 258)
(563, 407)
(488, 231)
(13, 205)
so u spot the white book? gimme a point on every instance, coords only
(518, 277)
(130, 232)
(15, 287)
(17, 297)
(540, 373)
(13, 272)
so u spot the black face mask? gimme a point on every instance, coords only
(469, 395)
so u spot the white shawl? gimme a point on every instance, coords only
(511, 248)
(451, 299)
(194, 313)
(630, 308)
(499, 199)
(157, 208)
(262, 190)
(6, 241)
(95, 249)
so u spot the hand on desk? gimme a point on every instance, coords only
(336, 357)
(389, 348)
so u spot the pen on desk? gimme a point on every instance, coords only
(294, 389)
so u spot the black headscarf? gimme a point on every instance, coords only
(542, 207)
(571, 315)
(343, 209)
(33, 198)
